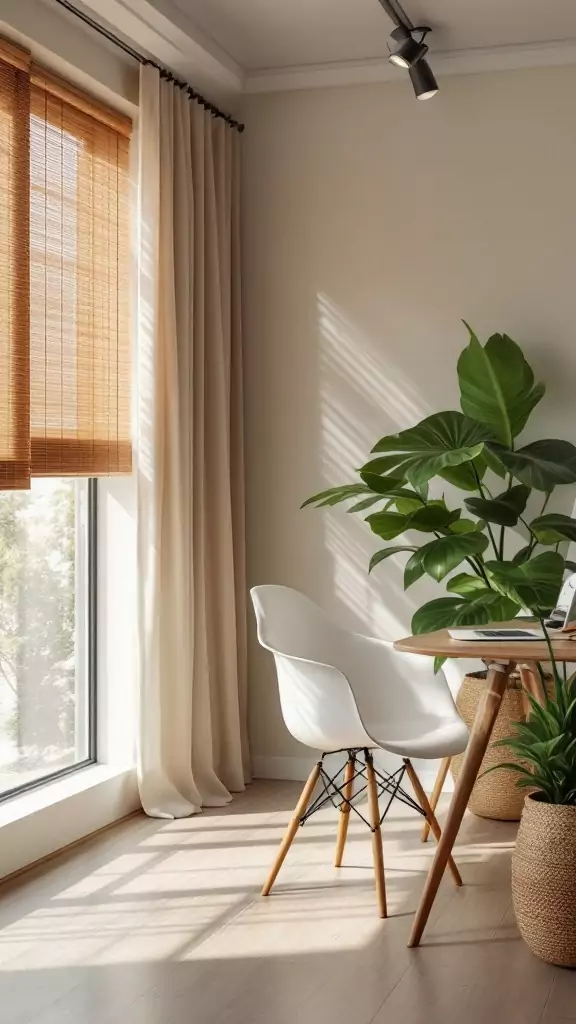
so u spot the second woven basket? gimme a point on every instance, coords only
(495, 795)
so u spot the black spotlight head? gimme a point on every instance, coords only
(423, 81)
(408, 52)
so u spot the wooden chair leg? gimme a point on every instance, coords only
(431, 817)
(377, 851)
(293, 827)
(344, 816)
(436, 793)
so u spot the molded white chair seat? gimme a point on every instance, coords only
(442, 740)
(341, 691)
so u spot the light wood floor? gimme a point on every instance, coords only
(160, 922)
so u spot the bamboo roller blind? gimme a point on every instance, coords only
(64, 280)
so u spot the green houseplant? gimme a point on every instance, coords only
(476, 450)
(544, 858)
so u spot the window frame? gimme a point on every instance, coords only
(91, 595)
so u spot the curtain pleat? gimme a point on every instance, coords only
(193, 737)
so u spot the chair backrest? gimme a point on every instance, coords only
(316, 700)
(335, 684)
(290, 623)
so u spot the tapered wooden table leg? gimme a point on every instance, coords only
(344, 817)
(377, 851)
(436, 794)
(480, 736)
(292, 828)
(530, 679)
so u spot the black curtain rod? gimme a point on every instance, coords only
(164, 72)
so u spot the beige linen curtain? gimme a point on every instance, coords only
(193, 745)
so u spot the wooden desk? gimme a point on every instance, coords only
(501, 657)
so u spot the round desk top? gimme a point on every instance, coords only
(441, 643)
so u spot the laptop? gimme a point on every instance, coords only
(562, 620)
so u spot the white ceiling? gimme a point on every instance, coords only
(260, 34)
(230, 47)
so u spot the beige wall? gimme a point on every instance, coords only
(373, 223)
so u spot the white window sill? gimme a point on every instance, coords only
(36, 824)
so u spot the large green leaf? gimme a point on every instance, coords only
(523, 555)
(466, 526)
(505, 509)
(436, 614)
(466, 476)
(493, 463)
(385, 464)
(387, 525)
(336, 494)
(372, 499)
(485, 607)
(542, 464)
(534, 584)
(434, 516)
(466, 585)
(439, 442)
(439, 557)
(380, 556)
(408, 505)
(387, 485)
(497, 385)
(553, 527)
(426, 519)
(413, 569)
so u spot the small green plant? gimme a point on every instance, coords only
(545, 744)
(476, 451)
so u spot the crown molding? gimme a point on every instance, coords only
(162, 30)
(454, 62)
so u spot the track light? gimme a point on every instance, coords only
(423, 81)
(410, 49)
(408, 52)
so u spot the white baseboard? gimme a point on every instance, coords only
(298, 769)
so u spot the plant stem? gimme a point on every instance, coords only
(482, 573)
(503, 528)
(557, 680)
(474, 567)
(492, 538)
(533, 537)
(482, 495)
(546, 500)
(542, 675)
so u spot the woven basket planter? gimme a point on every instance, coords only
(496, 795)
(544, 881)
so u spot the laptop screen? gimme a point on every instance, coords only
(564, 614)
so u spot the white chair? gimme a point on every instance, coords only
(343, 692)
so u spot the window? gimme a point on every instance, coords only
(47, 631)
(64, 404)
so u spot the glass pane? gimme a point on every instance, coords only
(44, 703)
